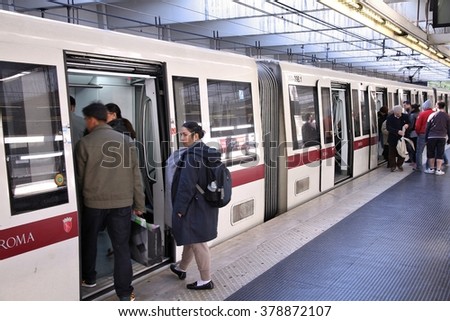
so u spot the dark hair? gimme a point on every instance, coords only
(384, 109)
(407, 102)
(95, 110)
(113, 108)
(415, 108)
(72, 101)
(441, 104)
(194, 128)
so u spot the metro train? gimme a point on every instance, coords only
(287, 132)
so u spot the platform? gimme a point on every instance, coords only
(245, 258)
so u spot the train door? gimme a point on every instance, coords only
(302, 130)
(376, 100)
(135, 92)
(38, 220)
(340, 99)
(326, 138)
(381, 98)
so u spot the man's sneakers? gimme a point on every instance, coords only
(439, 172)
(130, 297)
(87, 284)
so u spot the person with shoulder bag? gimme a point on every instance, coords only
(194, 219)
(396, 124)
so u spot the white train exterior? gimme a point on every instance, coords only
(253, 111)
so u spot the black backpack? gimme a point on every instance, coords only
(218, 191)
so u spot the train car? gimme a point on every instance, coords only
(325, 125)
(158, 85)
(287, 133)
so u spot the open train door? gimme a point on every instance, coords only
(342, 131)
(375, 99)
(148, 134)
(327, 156)
(137, 92)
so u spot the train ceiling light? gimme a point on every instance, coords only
(366, 13)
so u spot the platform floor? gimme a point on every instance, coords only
(394, 248)
(242, 265)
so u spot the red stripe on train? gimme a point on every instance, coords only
(358, 144)
(248, 175)
(28, 237)
(303, 158)
(328, 152)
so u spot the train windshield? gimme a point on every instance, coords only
(32, 136)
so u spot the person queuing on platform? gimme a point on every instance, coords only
(436, 136)
(420, 127)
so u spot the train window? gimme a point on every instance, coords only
(231, 117)
(376, 102)
(424, 96)
(305, 131)
(356, 113)
(33, 139)
(365, 112)
(187, 100)
(327, 116)
(396, 100)
(390, 101)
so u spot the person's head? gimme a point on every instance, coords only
(72, 104)
(397, 110)
(94, 115)
(440, 105)
(114, 112)
(190, 133)
(415, 108)
(427, 104)
(383, 110)
(407, 105)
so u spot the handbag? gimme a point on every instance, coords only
(145, 241)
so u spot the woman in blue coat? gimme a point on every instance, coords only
(194, 221)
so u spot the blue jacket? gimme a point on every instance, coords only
(198, 222)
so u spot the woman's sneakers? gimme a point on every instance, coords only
(434, 171)
(430, 171)
(181, 274)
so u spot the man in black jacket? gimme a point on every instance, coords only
(396, 125)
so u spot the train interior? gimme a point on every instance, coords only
(135, 92)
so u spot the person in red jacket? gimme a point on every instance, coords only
(421, 126)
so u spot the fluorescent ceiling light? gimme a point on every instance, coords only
(20, 74)
(107, 73)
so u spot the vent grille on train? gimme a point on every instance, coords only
(242, 210)
(301, 185)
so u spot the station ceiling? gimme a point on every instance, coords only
(392, 39)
